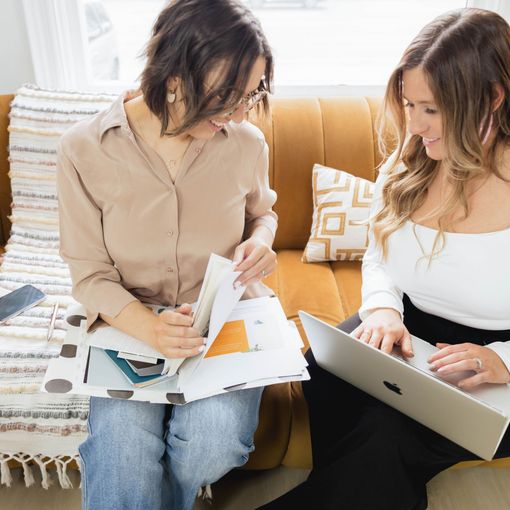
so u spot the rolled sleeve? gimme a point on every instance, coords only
(502, 349)
(260, 200)
(96, 281)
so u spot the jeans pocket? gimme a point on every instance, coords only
(248, 449)
(90, 415)
(178, 449)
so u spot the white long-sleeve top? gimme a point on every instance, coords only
(468, 282)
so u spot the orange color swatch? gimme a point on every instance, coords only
(231, 338)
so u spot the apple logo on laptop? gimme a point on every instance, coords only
(393, 387)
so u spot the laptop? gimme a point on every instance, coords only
(476, 420)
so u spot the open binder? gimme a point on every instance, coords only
(249, 344)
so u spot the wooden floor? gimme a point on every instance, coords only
(466, 489)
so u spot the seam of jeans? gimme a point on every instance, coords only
(83, 469)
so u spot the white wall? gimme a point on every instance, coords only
(500, 6)
(15, 61)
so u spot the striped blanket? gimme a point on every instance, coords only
(37, 429)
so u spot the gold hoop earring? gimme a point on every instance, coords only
(170, 97)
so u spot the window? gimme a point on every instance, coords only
(316, 42)
(102, 47)
(343, 42)
(98, 44)
(115, 53)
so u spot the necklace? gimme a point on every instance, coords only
(170, 150)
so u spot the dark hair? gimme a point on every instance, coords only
(189, 39)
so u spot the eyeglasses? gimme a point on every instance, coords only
(250, 100)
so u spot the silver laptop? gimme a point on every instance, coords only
(476, 420)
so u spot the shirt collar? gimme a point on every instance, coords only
(115, 116)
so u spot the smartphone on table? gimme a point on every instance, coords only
(18, 301)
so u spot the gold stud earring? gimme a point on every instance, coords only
(170, 97)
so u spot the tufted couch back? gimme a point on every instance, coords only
(337, 132)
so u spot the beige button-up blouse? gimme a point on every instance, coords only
(128, 232)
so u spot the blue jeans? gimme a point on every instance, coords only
(142, 456)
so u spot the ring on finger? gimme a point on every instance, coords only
(479, 364)
(263, 273)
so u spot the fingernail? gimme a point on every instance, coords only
(237, 285)
(201, 348)
(441, 369)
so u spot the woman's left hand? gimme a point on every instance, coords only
(255, 259)
(489, 367)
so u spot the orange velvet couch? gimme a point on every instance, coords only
(337, 132)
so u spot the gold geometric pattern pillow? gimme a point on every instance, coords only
(341, 205)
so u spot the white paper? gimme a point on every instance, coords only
(273, 351)
(223, 371)
(217, 268)
(108, 337)
(136, 357)
(226, 298)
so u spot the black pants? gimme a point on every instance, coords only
(367, 455)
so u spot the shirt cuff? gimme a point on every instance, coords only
(502, 349)
(110, 304)
(267, 221)
(381, 299)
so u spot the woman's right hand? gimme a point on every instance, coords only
(174, 337)
(383, 329)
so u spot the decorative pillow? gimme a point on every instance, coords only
(341, 205)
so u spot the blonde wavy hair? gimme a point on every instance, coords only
(462, 54)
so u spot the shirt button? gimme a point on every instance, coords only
(170, 233)
(169, 269)
(198, 151)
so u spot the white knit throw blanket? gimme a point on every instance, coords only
(37, 428)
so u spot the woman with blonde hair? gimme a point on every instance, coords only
(436, 267)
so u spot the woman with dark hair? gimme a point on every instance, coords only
(148, 189)
(436, 266)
